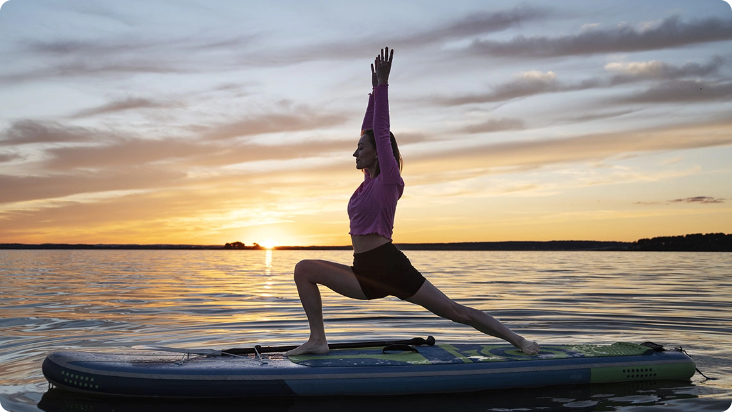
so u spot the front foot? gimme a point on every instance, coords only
(310, 347)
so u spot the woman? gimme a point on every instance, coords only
(379, 268)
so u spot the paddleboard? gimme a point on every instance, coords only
(442, 368)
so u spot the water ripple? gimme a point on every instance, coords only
(113, 299)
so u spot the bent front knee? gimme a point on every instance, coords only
(304, 270)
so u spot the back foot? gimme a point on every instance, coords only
(309, 347)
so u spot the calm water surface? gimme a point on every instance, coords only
(51, 300)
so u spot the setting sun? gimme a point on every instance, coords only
(269, 244)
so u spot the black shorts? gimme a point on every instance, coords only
(386, 271)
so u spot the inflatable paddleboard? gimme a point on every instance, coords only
(442, 368)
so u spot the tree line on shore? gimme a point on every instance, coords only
(710, 242)
(241, 246)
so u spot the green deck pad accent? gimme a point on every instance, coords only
(465, 357)
(642, 372)
(502, 353)
(368, 356)
(616, 349)
(462, 353)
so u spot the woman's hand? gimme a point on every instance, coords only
(383, 66)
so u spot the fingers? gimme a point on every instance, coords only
(385, 56)
(372, 69)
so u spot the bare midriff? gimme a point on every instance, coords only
(364, 243)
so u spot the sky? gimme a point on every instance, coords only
(207, 122)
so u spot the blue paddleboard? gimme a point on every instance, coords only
(442, 368)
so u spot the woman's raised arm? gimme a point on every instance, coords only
(388, 164)
(368, 119)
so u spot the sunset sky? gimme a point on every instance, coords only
(208, 121)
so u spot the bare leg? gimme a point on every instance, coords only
(339, 278)
(432, 299)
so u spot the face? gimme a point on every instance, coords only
(365, 154)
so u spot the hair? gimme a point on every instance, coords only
(394, 148)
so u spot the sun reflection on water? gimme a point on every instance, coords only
(268, 262)
(268, 283)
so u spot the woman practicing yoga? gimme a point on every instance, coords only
(379, 268)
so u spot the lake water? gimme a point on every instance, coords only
(89, 299)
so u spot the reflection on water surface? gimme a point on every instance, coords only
(118, 298)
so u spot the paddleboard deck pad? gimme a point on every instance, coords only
(442, 368)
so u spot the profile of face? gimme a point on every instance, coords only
(365, 154)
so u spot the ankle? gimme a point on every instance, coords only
(317, 339)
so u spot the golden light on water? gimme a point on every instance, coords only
(268, 262)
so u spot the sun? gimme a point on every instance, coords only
(269, 244)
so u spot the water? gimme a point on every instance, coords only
(87, 299)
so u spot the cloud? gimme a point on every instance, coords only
(129, 46)
(682, 91)
(35, 131)
(180, 154)
(201, 53)
(669, 33)
(298, 118)
(173, 202)
(698, 199)
(529, 154)
(598, 116)
(493, 125)
(112, 15)
(127, 55)
(526, 84)
(212, 144)
(7, 157)
(123, 153)
(691, 200)
(173, 155)
(114, 68)
(535, 82)
(24, 188)
(477, 23)
(130, 103)
(629, 72)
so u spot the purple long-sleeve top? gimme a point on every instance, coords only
(373, 205)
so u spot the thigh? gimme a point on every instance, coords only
(432, 299)
(337, 277)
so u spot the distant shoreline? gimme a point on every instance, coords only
(464, 246)
(712, 242)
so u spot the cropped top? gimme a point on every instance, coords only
(373, 205)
